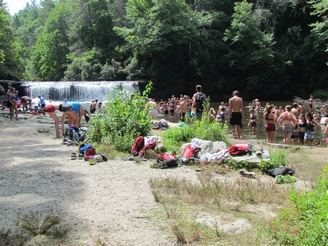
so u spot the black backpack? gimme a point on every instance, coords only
(280, 171)
(200, 99)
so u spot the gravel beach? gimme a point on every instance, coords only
(111, 200)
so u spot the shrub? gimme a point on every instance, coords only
(277, 159)
(238, 164)
(305, 223)
(174, 137)
(122, 121)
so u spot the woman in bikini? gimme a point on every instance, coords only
(310, 128)
(288, 121)
(302, 128)
(270, 127)
(12, 101)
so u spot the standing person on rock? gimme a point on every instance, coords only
(236, 113)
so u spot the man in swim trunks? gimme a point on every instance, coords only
(236, 113)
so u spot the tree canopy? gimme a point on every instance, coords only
(269, 49)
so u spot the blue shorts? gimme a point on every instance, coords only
(308, 135)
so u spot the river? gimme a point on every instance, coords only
(260, 133)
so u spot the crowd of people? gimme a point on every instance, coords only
(297, 126)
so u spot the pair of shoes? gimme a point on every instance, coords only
(80, 156)
(72, 143)
(279, 179)
(289, 179)
(73, 156)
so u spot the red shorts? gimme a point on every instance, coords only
(50, 108)
(270, 127)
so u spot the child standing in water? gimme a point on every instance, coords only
(252, 120)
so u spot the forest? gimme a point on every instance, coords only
(266, 49)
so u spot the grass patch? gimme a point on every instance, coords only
(214, 195)
(305, 222)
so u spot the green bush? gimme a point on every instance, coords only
(277, 159)
(305, 223)
(238, 164)
(122, 121)
(203, 129)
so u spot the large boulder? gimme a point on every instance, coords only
(208, 146)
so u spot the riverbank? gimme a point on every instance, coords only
(111, 201)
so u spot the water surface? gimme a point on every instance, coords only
(260, 133)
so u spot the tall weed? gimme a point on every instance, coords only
(122, 121)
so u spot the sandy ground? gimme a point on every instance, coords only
(111, 199)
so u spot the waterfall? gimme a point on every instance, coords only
(80, 91)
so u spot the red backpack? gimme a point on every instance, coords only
(240, 149)
(189, 152)
(139, 147)
(168, 159)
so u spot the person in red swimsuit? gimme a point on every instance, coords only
(50, 109)
(270, 119)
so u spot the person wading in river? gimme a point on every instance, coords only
(236, 113)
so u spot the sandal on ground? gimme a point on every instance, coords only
(73, 156)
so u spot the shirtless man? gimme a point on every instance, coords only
(93, 107)
(311, 103)
(151, 106)
(26, 100)
(294, 110)
(236, 113)
(183, 107)
(257, 106)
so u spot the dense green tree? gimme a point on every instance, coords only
(222, 44)
(11, 65)
(49, 53)
(251, 53)
(321, 27)
(92, 38)
(167, 42)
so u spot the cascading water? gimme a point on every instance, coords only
(82, 91)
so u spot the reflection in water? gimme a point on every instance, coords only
(260, 130)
